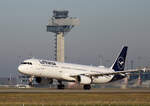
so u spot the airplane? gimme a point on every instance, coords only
(46, 71)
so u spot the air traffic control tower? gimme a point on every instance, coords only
(60, 24)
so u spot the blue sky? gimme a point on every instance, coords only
(105, 25)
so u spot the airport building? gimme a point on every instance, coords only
(60, 24)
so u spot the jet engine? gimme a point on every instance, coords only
(84, 79)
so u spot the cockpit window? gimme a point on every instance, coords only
(27, 63)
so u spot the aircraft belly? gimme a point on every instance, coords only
(46, 72)
(102, 79)
(53, 73)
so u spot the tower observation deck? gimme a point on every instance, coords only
(60, 23)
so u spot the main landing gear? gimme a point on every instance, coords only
(60, 85)
(87, 87)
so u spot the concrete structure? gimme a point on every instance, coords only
(60, 47)
(60, 24)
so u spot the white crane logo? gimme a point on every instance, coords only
(121, 62)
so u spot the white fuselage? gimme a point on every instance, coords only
(63, 71)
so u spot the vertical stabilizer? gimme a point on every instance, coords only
(119, 64)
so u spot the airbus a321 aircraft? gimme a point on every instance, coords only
(44, 70)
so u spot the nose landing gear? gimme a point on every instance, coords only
(31, 81)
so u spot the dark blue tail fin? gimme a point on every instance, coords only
(119, 64)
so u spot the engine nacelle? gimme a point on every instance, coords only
(84, 79)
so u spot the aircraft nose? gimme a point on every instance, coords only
(20, 68)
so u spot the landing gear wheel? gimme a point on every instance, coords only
(60, 86)
(87, 87)
(30, 83)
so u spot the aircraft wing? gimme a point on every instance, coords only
(115, 72)
(118, 72)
